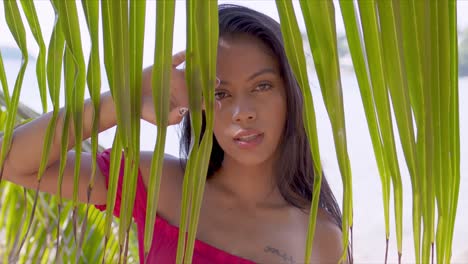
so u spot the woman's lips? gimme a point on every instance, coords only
(249, 141)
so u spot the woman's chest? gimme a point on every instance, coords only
(261, 237)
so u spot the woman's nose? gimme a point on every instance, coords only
(244, 112)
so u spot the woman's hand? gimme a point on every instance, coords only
(178, 106)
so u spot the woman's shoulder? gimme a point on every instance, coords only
(172, 167)
(328, 246)
(288, 237)
(171, 182)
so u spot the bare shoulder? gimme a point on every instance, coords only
(171, 182)
(328, 246)
(289, 241)
(172, 167)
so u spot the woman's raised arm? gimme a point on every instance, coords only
(23, 160)
(22, 163)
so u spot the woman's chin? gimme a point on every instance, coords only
(250, 159)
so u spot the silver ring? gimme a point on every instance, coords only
(183, 111)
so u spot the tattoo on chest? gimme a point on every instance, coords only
(283, 255)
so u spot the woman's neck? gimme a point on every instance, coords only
(249, 186)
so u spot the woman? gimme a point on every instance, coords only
(259, 186)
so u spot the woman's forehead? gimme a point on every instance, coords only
(244, 53)
(243, 39)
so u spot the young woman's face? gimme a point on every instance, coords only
(251, 111)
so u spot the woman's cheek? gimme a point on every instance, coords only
(219, 122)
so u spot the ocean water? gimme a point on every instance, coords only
(369, 232)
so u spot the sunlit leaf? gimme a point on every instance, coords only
(161, 82)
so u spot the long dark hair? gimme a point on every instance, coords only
(295, 169)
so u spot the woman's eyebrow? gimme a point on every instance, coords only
(266, 70)
(253, 76)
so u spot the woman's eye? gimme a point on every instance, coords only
(263, 87)
(220, 95)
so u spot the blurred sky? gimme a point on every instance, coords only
(266, 6)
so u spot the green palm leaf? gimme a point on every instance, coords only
(201, 73)
(195, 102)
(357, 55)
(132, 83)
(3, 81)
(91, 10)
(16, 26)
(161, 81)
(320, 18)
(295, 53)
(31, 15)
(454, 129)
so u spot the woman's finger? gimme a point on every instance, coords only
(178, 58)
